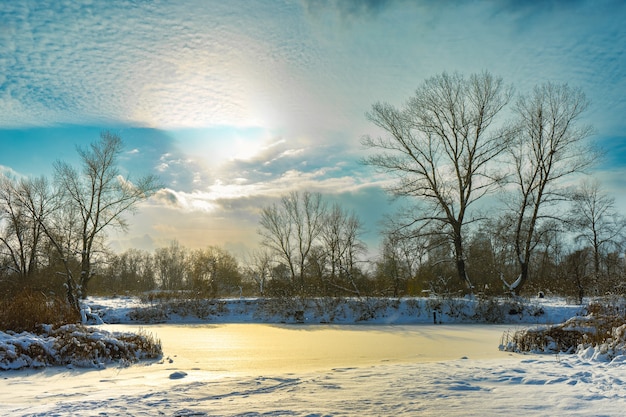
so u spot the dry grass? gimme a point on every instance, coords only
(27, 311)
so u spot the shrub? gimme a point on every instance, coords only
(490, 310)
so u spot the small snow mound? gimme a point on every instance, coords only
(178, 375)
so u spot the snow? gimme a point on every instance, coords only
(467, 384)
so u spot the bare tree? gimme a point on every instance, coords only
(596, 223)
(289, 229)
(99, 196)
(402, 255)
(171, 266)
(341, 243)
(440, 146)
(57, 221)
(213, 270)
(548, 146)
(22, 203)
(259, 267)
(132, 270)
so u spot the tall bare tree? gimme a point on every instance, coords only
(548, 146)
(57, 221)
(440, 146)
(99, 196)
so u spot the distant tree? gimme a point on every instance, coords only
(171, 266)
(597, 224)
(548, 146)
(341, 245)
(99, 197)
(289, 229)
(440, 146)
(578, 270)
(482, 262)
(213, 271)
(401, 257)
(131, 270)
(259, 268)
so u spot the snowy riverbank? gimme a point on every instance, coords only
(420, 310)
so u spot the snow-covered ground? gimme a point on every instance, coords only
(461, 383)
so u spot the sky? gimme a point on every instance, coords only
(233, 104)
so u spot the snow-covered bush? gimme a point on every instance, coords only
(599, 329)
(148, 314)
(490, 310)
(282, 308)
(74, 345)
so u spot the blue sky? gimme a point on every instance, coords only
(235, 103)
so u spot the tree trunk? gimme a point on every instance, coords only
(85, 275)
(460, 262)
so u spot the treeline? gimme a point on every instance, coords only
(310, 248)
(402, 268)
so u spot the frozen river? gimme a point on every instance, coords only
(269, 349)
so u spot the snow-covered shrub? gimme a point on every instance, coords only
(456, 308)
(327, 309)
(414, 306)
(148, 314)
(196, 307)
(434, 305)
(281, 308)
(369, 308)
(490, 310)
(614, 348)
(74, 345)
(596, 329)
